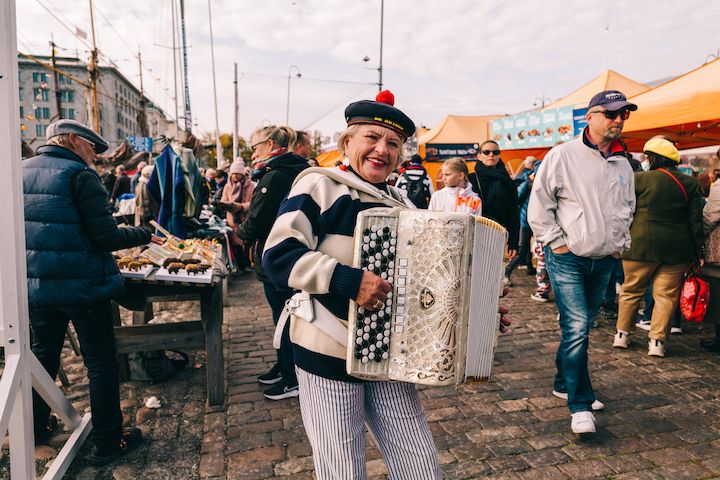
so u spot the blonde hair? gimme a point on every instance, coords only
(457, 165)
(353, 129)
(281, 136)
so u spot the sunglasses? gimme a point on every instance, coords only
(488, 152)
(612, 115)
(253, 147)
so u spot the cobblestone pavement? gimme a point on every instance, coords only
(660, 422)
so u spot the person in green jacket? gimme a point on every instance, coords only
(667, 237)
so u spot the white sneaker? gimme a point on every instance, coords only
(622, 339)
(596, 405)
(583, 422)
(643, 325)
(676, 330)
(656, 348)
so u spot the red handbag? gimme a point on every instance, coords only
(695, 296)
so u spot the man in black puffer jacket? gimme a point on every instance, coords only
(497, 191)
(275, 170)
(69, 232)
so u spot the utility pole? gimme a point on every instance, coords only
(142, 114)
(56, 77)
(188, 115)
(94, 74)
(175, 53)
(236, 150)
(382, 12)
(218, 144)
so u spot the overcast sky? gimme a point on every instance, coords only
(467, 57)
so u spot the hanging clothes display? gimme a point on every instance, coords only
(167, 185)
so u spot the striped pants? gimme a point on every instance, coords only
(334, 414)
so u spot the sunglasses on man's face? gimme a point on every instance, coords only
(488, 152)
(613, 114)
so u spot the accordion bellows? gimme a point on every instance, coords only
(439, 324)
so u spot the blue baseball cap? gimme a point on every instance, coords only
(611, 100)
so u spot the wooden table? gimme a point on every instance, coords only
(139, 297)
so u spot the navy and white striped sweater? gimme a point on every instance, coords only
(310, 248)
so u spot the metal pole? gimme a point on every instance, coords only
(236, 149)
(218, 144)
(380, 68)
(287, 102)
(93, 71)
(175, 81)
(142, 120)
(55, 77)
(188, 115)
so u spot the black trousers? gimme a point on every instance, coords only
(94, 328)
(524, 254)
(286, 360)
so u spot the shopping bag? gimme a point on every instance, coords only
(695, 296)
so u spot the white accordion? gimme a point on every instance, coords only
(439, 324)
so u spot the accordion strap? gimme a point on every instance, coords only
(353, 181)
(305, 308)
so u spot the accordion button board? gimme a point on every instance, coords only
(440, 267)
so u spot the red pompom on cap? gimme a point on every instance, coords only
(386, 97)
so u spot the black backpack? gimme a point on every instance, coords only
(417, 191)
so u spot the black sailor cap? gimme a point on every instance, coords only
(380, 112)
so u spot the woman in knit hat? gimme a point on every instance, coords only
(235, 200)
(667, 236)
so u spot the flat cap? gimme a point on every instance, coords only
(380, 112)
(66, 127)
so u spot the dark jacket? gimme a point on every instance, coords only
(271, 190)
(121, 187)
(524, 187)
(69, 230)
(499, 198)
(666, 228)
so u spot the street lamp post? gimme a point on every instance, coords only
(287, 103)
(541, 99)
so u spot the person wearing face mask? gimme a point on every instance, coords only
(457, 195)
(276, 167)
(491, 182)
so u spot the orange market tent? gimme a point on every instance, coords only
(686, 109)
(608, 80)
(329, 158)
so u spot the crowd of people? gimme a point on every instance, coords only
(583, 220)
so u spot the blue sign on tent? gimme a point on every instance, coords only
(141, 144)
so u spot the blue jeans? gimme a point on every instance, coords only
(579, 284)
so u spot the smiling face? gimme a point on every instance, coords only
(373, 152)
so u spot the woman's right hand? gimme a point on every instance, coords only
(373, 291)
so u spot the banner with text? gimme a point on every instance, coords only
(439, 152)
(534, 129)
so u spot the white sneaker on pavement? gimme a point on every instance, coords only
(622, 339)
(596, 405)
(583, 422)
(656, 348)
(676, 330)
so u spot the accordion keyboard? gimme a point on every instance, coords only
(372, 328)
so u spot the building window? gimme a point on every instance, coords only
(71, 113)
(40, 130)
(64, 80)
(22, 111)
(42, 113)
(39, 77)
(22, 94)
(119, 134)
(67, 96)
(40, 94)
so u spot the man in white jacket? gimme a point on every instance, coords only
(581, 208)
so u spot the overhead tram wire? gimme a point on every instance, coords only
(344, 102)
